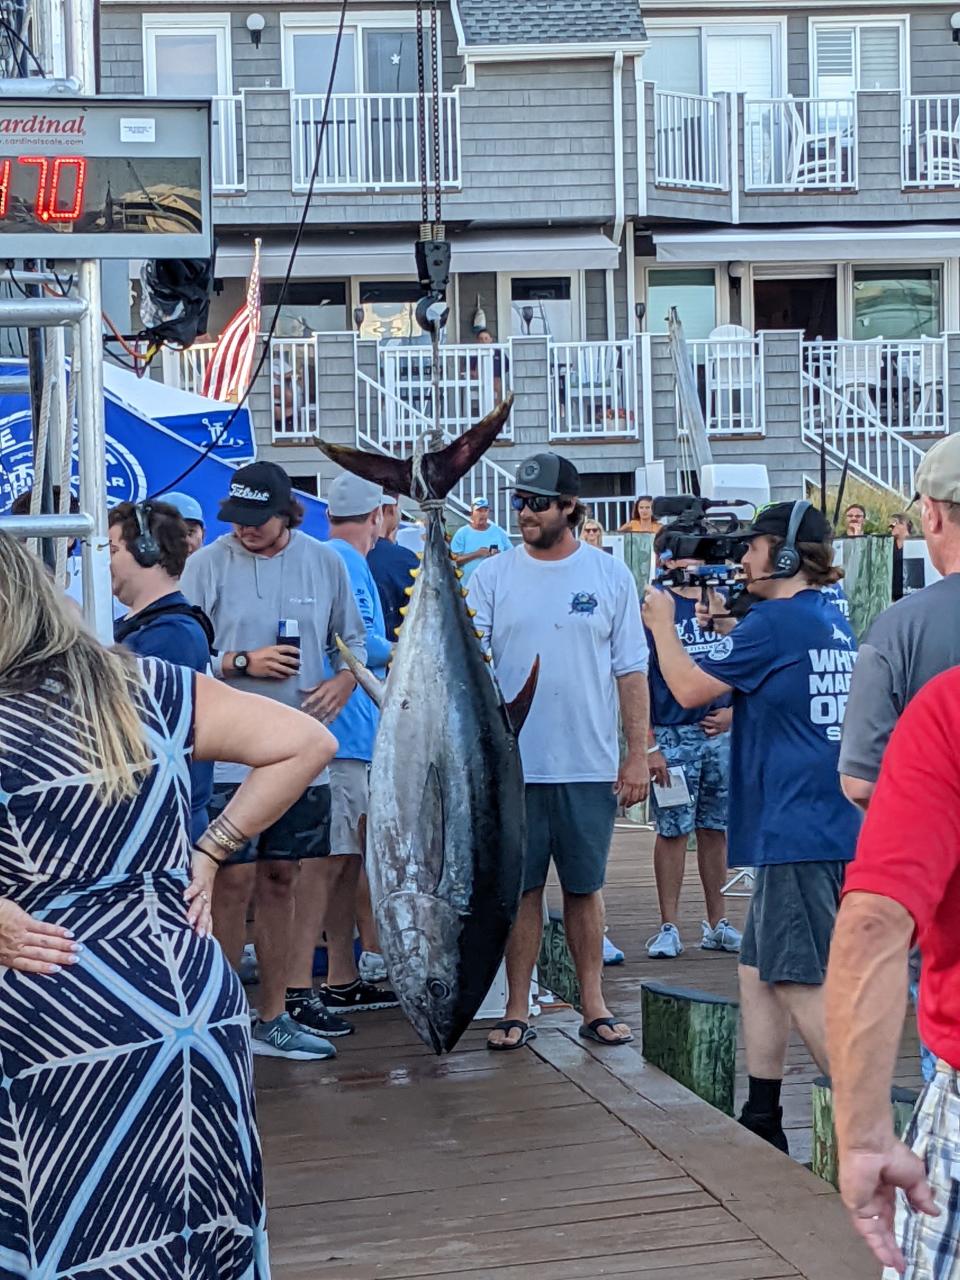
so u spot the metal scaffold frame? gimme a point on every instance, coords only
(83, 314)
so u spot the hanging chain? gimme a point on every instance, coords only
(437, 116)
(422, 117)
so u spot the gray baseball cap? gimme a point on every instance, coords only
(548, 474)
(350, 495)
(938, 475)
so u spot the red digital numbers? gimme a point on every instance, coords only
(51, 204)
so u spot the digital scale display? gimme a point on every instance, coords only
(105, 178)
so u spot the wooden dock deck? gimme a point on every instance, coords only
(557, 1162)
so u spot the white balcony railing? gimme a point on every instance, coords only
(729, 374)
(293, 389)
(593, 390)
(931, 142)
(373, 140)
(800, 144)
(473, 380)
(227, 151)
(690, 134)
(611, 513)
(193, 363)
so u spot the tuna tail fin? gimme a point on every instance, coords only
(519, 708)
(441, 470)
(367, 681)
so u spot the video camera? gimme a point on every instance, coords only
(691, 533)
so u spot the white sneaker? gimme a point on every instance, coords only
(611, 953)
(372, 967)
(666, 944)
(723, 938)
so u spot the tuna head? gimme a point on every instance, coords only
(421, 937)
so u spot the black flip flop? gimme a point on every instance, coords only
(589, 1032)
(527, 1034)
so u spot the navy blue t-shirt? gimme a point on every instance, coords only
(664, 708)
(790, 663)
(391, 567)
(179, 639)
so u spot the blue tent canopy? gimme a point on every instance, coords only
(145, 454)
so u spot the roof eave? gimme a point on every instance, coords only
(542, 52)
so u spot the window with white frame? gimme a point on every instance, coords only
(708, 59)
(847, 57)
(378, 54)
(186, 56)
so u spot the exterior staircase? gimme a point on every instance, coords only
(388, 424)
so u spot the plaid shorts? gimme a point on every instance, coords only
(931, 1246)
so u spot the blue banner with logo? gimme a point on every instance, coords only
(144, 458)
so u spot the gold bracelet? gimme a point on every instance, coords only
(223, 836)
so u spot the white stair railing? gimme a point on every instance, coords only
(843, 409)
(377, 406)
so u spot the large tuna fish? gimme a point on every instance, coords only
(446, 818)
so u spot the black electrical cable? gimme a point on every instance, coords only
(301, 226)
(14, 34)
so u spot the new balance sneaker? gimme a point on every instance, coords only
(611, 954)
(723, 937)
(282, 1038)
(309, 1012)
(360, 995)
(372, 967)
(666, 944)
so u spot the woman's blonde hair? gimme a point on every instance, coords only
(41, 639)
(591, 524)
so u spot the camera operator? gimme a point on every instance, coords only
(697, 741)
(788, 665)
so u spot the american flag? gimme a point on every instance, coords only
(228, 374)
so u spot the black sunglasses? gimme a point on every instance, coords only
(537, 502)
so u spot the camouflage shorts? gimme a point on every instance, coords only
(706, 766)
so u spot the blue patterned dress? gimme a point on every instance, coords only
(128, 1145)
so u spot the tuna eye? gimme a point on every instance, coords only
(438, 988)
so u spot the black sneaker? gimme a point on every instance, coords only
(769, 1127)
(311, 1014)
(358, 996)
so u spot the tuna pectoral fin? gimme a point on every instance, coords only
(519, 708)
(430, 832)
(367, 681)
(442, 470)
(393, 474)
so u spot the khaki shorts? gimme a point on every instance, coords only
(350, 793)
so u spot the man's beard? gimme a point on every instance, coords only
(543, 538)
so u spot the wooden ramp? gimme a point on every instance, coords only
(557, 1162)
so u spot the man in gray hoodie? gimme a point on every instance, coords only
(277, 598)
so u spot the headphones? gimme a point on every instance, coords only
(787, 563)
(146, 549)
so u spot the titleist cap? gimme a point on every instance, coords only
(258, 491)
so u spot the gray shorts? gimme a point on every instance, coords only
(350, 800)
(572, 823)
(790, 921)
(302, 832)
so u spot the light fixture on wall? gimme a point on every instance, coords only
(955, 27)
(479, 317)
(640, 310)
(359, 315)
(255, 24)
(736, 270)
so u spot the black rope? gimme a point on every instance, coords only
(14, 34)
(301, 226)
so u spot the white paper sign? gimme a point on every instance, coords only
(138, 129)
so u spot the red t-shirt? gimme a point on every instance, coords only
(909, 849)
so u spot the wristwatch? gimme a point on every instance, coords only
(240, 662)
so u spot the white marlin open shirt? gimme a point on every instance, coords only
(581, 616)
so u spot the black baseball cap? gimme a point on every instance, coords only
(549, 475)
(774, 521)
(257, 492)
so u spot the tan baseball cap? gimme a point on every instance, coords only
(938, 475)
